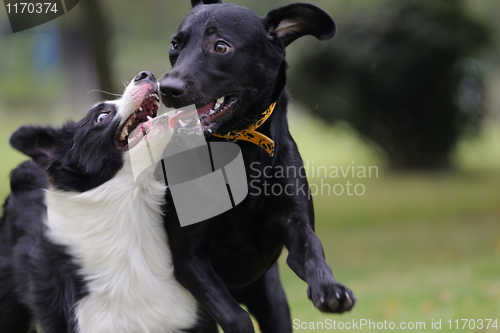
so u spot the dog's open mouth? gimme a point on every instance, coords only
(210, 116)
(139, 118)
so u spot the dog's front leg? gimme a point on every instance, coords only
(207, 287)
(193, 269)
(306, 258)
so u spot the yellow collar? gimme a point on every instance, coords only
(251, 135)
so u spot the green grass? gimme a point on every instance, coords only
(414, 247)
(410, 272)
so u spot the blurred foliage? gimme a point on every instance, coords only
(139, 38)
(402, 76)
(87, 42)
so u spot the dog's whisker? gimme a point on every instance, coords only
(106, 92)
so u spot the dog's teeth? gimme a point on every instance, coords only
(157, 103)
(210, 130)
(149, 118)
(183, 124)
(198, 122)
(211, 112)
(140, 108)
(220, 100)
(216, 106)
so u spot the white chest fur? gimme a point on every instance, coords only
(115, 233)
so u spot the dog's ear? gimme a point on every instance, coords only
(297, 20)
(37, 142)
(195, 3)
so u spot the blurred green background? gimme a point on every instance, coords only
(420, 244)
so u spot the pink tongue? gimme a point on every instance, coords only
(206, 109)
(174, 120)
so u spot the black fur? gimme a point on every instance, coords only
(79, 156)
(38, 279)
(231, 258)
(195, 3)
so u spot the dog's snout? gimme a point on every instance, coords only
(145, 75)
(172, 87)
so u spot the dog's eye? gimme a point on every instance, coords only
(101, 117)
(221, 47)
(174, 44)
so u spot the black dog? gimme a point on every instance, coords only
(230, 63)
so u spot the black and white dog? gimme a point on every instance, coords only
(87, 252)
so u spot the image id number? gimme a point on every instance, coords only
(31, 8)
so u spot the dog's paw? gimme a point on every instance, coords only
(332, 298)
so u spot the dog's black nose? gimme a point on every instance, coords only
(145, 75)
(172, 87)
